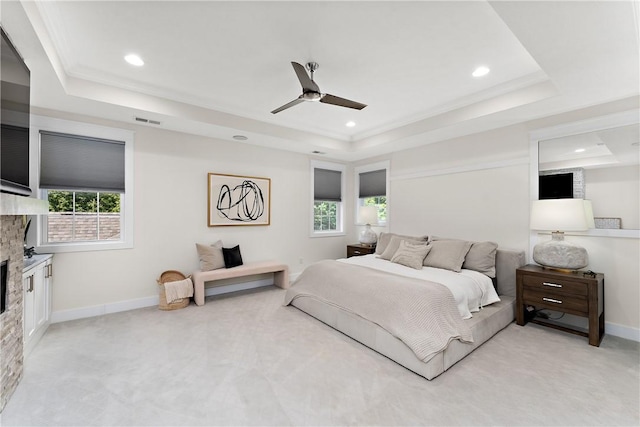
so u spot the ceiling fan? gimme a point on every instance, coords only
(311, 91)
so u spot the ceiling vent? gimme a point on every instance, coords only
(143, 120)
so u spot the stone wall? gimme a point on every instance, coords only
(11, 329)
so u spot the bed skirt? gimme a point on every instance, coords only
(484, 324)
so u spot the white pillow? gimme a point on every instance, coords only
(410, 254)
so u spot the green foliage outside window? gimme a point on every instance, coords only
(325, 216)
(379, 202)
(62, 201)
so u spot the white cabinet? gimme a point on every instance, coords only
(37, 281)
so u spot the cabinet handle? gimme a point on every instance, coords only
(553, 285)
(49, 270)
(30, 288)
(555, 301)
(356, 252)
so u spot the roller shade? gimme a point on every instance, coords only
(327, 185)
(373, 184)
(79, 163)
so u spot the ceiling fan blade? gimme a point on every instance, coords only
(308, 85)
(336, 100)
(288, 105)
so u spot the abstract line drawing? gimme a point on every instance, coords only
(238, 200)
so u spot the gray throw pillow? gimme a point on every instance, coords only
(211, 257)
(410, 254)
(481, 257)
(447, 254)
(385, 239)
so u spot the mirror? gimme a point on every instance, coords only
(603, 156)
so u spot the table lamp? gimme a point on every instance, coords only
(368, 215)
(558, 216)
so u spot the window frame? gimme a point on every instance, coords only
(340, 210)
(42, 123)
(386, 165)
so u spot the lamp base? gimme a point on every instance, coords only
(368, 236)
(560, 254)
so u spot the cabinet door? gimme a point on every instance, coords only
(29, 310)
(48, 285)
(40, 277)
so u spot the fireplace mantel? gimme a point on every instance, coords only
(21, 205)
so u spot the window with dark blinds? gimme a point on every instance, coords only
(327, 185)
(74, 162)
(373, 184)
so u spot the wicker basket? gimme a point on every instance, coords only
(171, 276)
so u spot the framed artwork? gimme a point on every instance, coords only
(238, 200)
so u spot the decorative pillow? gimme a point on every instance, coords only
(394, 244)
(410, 254)
(481, 257)
(385, 239)
(447, 254)
(210, 256)
(232, 257)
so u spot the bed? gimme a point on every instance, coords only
(415, 315)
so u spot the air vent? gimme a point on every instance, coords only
(143, 120)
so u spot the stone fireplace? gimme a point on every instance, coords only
(11, 330)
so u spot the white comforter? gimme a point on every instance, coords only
(471, 290)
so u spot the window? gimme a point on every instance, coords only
(85, 173)
(371, 184)
(327, 185)
(76, 216)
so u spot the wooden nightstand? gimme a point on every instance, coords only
(358, 250)
(576, 293)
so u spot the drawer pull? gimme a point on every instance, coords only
(356, 252)
(553, 285)
(555, 301)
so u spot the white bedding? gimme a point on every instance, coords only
(472, 290)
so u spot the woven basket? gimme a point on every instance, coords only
(171, 276)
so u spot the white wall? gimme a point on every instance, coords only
(171, 216)
(605, 186)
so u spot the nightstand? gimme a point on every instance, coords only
(359, 250)
(577, 293)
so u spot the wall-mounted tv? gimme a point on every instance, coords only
(14, 139)
(556, 186)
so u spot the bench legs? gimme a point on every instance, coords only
(281, 279)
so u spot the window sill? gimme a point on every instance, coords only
(328, 234)
(83, 247)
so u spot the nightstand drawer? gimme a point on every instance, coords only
(358, 250)
(554, 285)
(573, 304)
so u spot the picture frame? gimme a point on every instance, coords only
(238, 200)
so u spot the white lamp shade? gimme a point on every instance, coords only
(368, 215)
(562, 215)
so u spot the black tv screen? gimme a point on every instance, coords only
(556, 186)
(14, 138)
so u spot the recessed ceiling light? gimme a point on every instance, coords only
(350, 124)
(480, 71)
(240, 137)
(580, 150)
(134, 59)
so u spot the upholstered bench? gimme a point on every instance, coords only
(280, 275)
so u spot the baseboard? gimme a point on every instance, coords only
(621, 331)
(116, 307)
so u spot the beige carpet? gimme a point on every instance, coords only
(244, 359)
